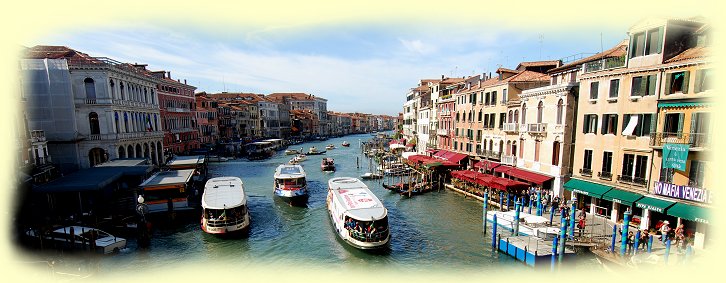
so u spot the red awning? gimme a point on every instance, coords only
(439, 153)
(486, 164)
(430, 150)
(451, 156)
(491, 181)
(523, 174)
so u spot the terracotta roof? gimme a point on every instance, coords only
(500, 70)
(618, 50)
(538, 63)
(452, 80)
(278, 96)
(529, 76)
(245, 96)
(422, 88)
(691, 53)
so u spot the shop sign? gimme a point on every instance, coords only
(650, 207)
(581, 192)
(675, 156)
(682, 192)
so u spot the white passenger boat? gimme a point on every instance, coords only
(290, 183)
(224, 206)
(329, 147)
(529, 225)
(358, 216)
(370, 175)
(292, 151)
(82, 238)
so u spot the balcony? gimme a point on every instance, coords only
(605, 176)
(509, 160)
(586, 172)
(695, 140)
(177, 109)
(538, 128)
(489, 154)
(37, 136)
(605, 64)
(638, 181)
(511, 128)
(442, 132)
(125, 136)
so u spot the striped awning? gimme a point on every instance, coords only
(682, 104)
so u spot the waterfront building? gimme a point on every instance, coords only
(659, 88)
(445, 129)
(92, 109)
(304, 101)
(304, 123)
(176, 100)
(427, 121)
(206, 119)
(466, 124)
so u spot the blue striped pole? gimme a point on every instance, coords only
(516, 218)
(637, 242)
(485, 207)
(494, 231)
(531, 201)
(509, 199)
(572, 217)
(563, 240)
(650, 242)
(552, 214)
(624, 235)
(667, 251)
(554, 253)
(615, 235)
(501, 201)
(539, 203)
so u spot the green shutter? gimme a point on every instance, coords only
(653, 122)
(685, 81)
(667, 85)
(651, 84)
(660, 40)
(699, 81)
(680, 122)
(694, 119)
(585, 120)
(603, 127)
(644, 86)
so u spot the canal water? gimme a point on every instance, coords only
(434, 231)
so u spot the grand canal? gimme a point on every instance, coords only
(438, 230)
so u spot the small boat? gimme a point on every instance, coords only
(224, 206)
(294, 161)
(327, 164)
(369, 175)
(292, 151)
(81, 238)
(358, 216)
(397, 188)
(290, 183)
(396, 170)
(346, 144)
(301, 157)
(314, 151)
(330, 146)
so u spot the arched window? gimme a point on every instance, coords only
(116, 122)
(479, 116)
(112, 86)
(556, 152)
(130, 151)
(96, 156)
(121, 152)
(90, 88)
(560, 106)
(491, 145)
(516, 116)
(126, 122)
(121, 89)
(509, 118)
(524, 114)
(93, 122)
(509, 148)
(540, 108)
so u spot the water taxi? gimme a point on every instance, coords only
(329, 147)
(290, 183)
(224, 206)
(259, 150)
(327, 164)
(346, 144)
(315, 151)
(292, 151)
(358, 216)
(81, 238)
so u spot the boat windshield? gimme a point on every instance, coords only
(222, 217)
(367, 231)
(296, 182)
(94, 234)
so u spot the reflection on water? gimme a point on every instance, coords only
(437, 230)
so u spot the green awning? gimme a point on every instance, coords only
(622, 197)
(682, 104)
(586, 188)
(690, 212)
(653, 204)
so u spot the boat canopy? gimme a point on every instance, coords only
(289, 172)
(185, 162)
(223, 192)
(357, 200)
(168, 178)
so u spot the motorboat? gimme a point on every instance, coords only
(290, 183)
(327, 164)
(315, 151)
(81, 238)
(224, 206)
(329, 147)
(215, 158)
(292, 151)
(345, 143)
(358, 216)
(369, 175)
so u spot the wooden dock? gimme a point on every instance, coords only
(532, 251)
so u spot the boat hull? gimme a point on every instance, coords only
(343, 235)
(235, 228)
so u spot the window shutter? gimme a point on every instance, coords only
(644, 91)
(604, 126)
(585, 123)
(699, 81)
(660, 40)
(615, 124)
(680, 122)
(685, 81)
(653, 122)
(625, 118)
(667, 86)
(651, 84)
(594, 124)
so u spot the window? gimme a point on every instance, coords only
(90, 88)
(524, 114)
(614, 86)
(637, 44)
(639, 125)
(556, 153)
(643, 85)
(607, 162)
(478, 135)
(516, 116)
(695, 175)
(536, 151)
(521, 148)
(654, 41)
(587, 162)
(641, 167)
(646, 43)
(590, 124)
(93, 123)
(504, 96)
(491, 120)
(673, 124)
(677, 82)
(486, 120)
(634, 169)
(628, 163)
(502, 117)
(609, 124)
(540, 108)
(494, 98)
(666, 175)
(703, 80)
(486, 98)
(593, 90)
(560, 106)
(479, 116)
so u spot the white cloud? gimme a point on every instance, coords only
(417, 46)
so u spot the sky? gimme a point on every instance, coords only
(357, 67)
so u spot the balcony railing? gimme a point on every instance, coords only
(538, 128)
(511, 127)
(509, 160)
(605, 64)
(632, 180)
(489, 154)
(586, 172)
(442, 132)
(37, 136)
(123, 136)
(605, 175)
(693, 139)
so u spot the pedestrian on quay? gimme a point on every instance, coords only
(581, 224)
(643, 241)
(664, 230)
(629, 242)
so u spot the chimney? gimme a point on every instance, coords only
(168, 74)
(442, 77)
(185, 81)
